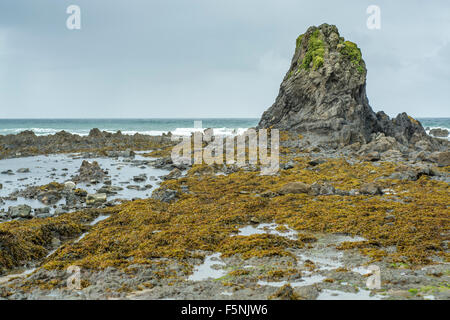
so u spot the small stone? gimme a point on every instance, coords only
(69, 185)
(96, 198)
(295, 188)
(20, 211)
(370, 189)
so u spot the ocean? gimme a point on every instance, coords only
(151, 126)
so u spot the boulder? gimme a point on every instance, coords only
(20, 211)
(440, 133)
(370, 189)
(96, 198)
(295, 188)
(69, 185)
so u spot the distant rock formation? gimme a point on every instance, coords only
(323, 97)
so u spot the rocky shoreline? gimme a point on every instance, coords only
(354, 189)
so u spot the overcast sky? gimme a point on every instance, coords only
(207, 58)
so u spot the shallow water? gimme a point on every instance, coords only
(207, 269)
(61, 168)
(341, 295)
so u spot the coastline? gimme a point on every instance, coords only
(253, 239)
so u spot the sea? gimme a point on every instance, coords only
(152, 126)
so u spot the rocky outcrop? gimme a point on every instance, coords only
(323, 97)
(90, 172)
(439, 133)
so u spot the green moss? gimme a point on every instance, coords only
(352, 52)
(315, 53)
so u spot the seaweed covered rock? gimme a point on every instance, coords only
(89, 172)
(323, 97)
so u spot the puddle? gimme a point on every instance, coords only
(268, 228)
(61, 167)
(98, 219)
(306, 281)
(341, 295)
(323, 260)
(207, 270)
(81, 237)
(17, 275)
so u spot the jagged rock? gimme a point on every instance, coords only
(23, 170)
(174, 174)
(89, 172)
(323, 97)
(295, 188)
(440, 133)
(20, 211)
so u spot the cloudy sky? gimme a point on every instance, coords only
(207, 58)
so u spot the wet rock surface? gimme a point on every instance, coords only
(323, 97)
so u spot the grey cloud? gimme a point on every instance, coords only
(207, 58)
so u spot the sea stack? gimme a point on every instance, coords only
(323, 97)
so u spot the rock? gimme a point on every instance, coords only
(59, 211)
(69, 185)
(322, 189)
(20, 211)
(140, 178)
(295, 188)
(96, 198)
(123, 154)
(109, 190)
(441, 158)
(323, 97)
(373, 156)
(42, 212)
(8, 172)
(89, 172)
(174, 174)
(1, 186)
(441, 133)
(316, 162)
(285, 293)
(165, 195)
(370, 189)
(23, 170)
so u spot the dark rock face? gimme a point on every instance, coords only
(323, 96)
(440, 133)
